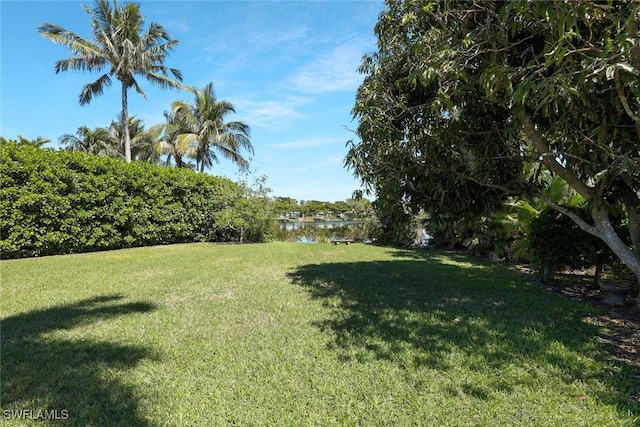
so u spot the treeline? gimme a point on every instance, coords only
(57, 202)
(353, 208)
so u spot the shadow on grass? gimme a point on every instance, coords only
(425, 306)
(42, 372)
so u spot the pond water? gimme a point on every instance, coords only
(304, 225)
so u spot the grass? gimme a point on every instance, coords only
(295, 334)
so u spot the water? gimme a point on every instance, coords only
(300, 225)
(322, 231)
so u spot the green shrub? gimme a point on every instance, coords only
(251, 216)
(556, 241)
(57, 202)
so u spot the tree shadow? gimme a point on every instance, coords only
(419, 308)
(42, 372)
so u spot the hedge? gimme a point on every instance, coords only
(58, 202)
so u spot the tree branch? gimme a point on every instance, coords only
(585, 226)
(549, 159)
(624, 100)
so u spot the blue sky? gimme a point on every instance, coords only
(290, 69)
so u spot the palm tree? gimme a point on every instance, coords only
(167, 134)
(98, 141)
(121, 46)
(201, 126)
(144, 146)
(37, 142)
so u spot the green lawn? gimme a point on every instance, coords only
(298, 334)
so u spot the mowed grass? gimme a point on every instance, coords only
(298, 335)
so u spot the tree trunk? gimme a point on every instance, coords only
(629, 257)
(125, 124)
(597, 277)
(548, 272)
(633, 214)
(632, 205)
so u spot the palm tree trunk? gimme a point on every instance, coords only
(200, 156)
(125, 124)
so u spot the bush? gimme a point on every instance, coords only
(251, 216)
(555, 241)
(57, 202)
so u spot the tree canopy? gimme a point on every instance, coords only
(467, 103)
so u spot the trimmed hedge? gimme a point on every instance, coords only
(58, 202)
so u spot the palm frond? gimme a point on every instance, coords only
(75, 43)
(228, 147)
(138, 88)
(163, 81)
(186, 144)
(94, 88)
(80, 63)
(102, 13)
(184, 116)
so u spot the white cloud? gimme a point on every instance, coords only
(309, 142)
(333, 71)
(275, 38)
(179, 25)
(270, 114)
(339, 160)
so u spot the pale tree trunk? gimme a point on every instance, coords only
(628, 256)
(125, 124)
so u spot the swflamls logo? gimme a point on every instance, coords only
(37, 414)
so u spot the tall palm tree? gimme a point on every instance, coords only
(201, 125)
(121, 46)
(98, 141)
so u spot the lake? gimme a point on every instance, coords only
(303, 225)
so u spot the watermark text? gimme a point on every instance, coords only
(35, 414)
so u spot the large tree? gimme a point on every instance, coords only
(121, 46)
(203, 127)
(466, 103)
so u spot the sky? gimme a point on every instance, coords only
(288, 67)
